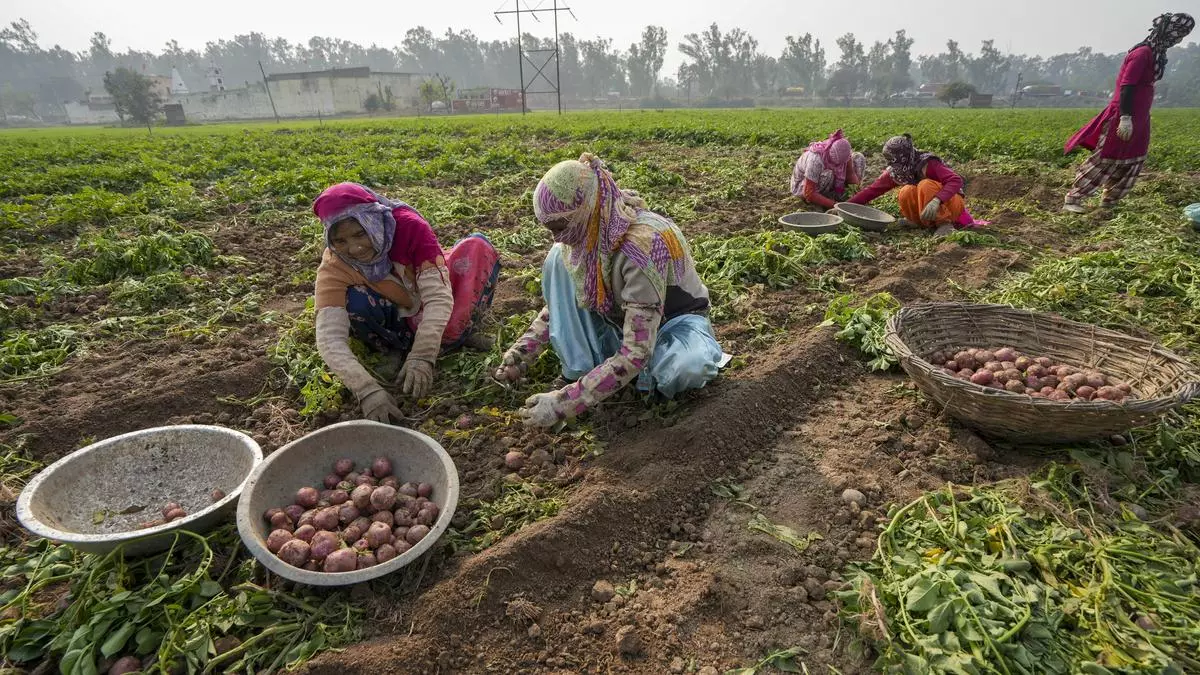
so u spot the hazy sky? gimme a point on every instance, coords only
(1021, 26)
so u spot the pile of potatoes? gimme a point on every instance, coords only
(360, 519)
(1040, 377)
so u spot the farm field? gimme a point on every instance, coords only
(167, 278)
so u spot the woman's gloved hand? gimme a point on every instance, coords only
(512, 368)
(1125, 127)
(929, 213)
(381, 407)
(540, 410)
(415, 377)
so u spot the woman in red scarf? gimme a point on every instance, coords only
(385, 279)
(1120, 135)
(824, 171)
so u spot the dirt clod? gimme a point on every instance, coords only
(602, 591)
(629, 643)
(852, 496)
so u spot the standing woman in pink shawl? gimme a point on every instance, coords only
(826, 168)
(1120, 135)
(385, 280)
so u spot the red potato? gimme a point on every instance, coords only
(432, 508)
(347, 513)
(367, 479)
(1016, 387)
(1110, 393)
(378, 535)
(1085, 392)
(338, 497)
(1095, 380)
(171, 506)
(281, 521)
(514, 460)
(217, 495)
(424, 490)
(1059, 395)
(1013, 374)
(993, 366)
(401, 518)
(385, 553)
(323, 543)
(294, 511)
(326, 519)
(416, 533)
(306, 518)
(408, 489)
(1035, 370)
(949, 372)
(343, 466)
(983, 356)
(1125, 388)
(1030, 392)
(305, 533)
(352, 533)
(307, 497)
(312, 565)
(383, 498)
(1022, 363)
(352, 477)
(402, 546)
(277, 539)
(341, 560)
(266, 514)
(385, 517)
(965, 374)
(125, 665)
(1038, 394)
(362, 523)
(1046, 391)
(295, 553)
(361, 545)
(966, 360)
(426, 518)
(332, 480)
(1044, 362)
(938, 357)
(361, 496)
(1050, 381)
(1006, 354)
(381, 467)
(400, 532)
(366, 560)
(982, 377)
(390, 481)
(952, 365)
(175, 514)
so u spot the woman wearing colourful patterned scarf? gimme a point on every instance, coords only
(1120, 135)
(825, 169)
(623, 300)
(931, 193)
(385, 279)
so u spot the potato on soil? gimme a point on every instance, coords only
(125, 665)
(307, 497)
(277, 539)
(416, 533)
(323, 543)
(383, 498)
(294, 553)
(514, 460)
(341, 560)
(343, 466)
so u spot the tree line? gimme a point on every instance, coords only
(719, 64)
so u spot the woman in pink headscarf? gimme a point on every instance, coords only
(825, 169)
(385, 280)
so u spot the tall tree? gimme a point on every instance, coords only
(133, 96)
(850, 70)
(901, 62)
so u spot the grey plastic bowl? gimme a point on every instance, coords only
(811, 222)
(94, 498)
(307, 460)
(866, 217)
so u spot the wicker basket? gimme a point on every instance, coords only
(1161, 380)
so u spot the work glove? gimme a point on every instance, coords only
(929, 213)
(512, 368)
(1125, 128)
(540, 411)
(381, 407)
(415, 377)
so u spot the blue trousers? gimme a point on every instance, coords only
(685, 356)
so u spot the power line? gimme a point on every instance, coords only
(524, 55)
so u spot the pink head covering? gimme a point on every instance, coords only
(396, 237)
(835, 154)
